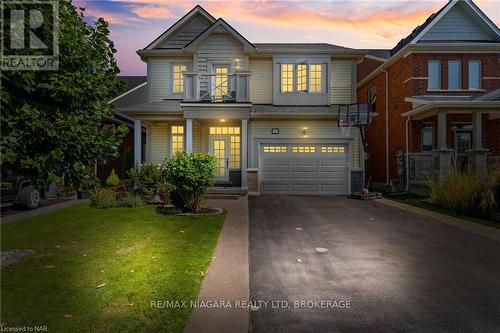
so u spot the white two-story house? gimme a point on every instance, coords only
(268, 112)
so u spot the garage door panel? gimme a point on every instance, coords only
(275, 174)
(303, 162)
(304, 173)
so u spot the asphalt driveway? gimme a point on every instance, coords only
(386, 270)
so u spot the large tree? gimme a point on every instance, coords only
(56, 124)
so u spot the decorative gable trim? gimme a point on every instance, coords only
(220, 26)
(198, 10)
(487, 22)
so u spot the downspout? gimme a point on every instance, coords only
(386, 126)
(407, 160)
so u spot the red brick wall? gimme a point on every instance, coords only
(415, 65)
(365, 67)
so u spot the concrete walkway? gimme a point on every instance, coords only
(227, 276)
(475, 228)
(42, 210)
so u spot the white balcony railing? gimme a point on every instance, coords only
(202, 88)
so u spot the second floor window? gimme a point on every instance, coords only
(287, 78)
(302, 78)
(178, 78)
(454, 76)
(316, 78)
(434, 74)
(177, 139)
(474, 74)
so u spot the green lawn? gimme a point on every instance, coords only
(140, 255)
(423, 202)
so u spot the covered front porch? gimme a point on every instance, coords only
(224, 136)
(452, 136)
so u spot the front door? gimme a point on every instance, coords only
(463, 143)
(219, 147)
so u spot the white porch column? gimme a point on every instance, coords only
(244, 150)
(137, 142)
(444, 154)
(442, 131)
(478, 158)
(189, 135)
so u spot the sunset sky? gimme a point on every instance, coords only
(352, 23)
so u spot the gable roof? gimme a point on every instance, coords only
(198, 10)
(132, 81)
(420, 31)
(217, 24)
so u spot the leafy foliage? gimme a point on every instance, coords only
(112, 179)
(130, 200)
(464, 193)
(53, 123)
(191, 174)
(146, 179)
(164, 190)
(103, 198)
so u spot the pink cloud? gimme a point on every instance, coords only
(154, 12)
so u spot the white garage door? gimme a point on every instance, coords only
(303, 169)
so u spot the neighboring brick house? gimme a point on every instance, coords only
(125, 158)
(437, 97)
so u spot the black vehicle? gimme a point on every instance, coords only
(17, 190)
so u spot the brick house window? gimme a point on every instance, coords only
(474, 74)
(454, 77)
(434, 74)
(427, 137)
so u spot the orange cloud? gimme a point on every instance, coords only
(153, 12)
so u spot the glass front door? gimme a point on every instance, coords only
(219, 147)
(221, 82)
(463, 142)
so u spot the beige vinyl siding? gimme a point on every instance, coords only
(196, 136)
(292, 129)
(261, 81)
(341, 81)
(159, 141)
(187, 33)
(159, 75)
(219, 48)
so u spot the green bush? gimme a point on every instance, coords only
(464, 193)
(103, 198)
(112, 179)
(191, 175)
(130, 200)
(164, 190)
(145, 180)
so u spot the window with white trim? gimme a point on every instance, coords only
(287, 73)
(434, 74)
(427, 137)
(177, 139)
(301, 78)
(178, 78)
(474, 74)
(303, 149)
(275, 149)
(315, 77)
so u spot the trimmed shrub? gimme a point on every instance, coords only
(464, 193)
(145, 181)
(130, 200)
(112, 179)
(191, 175)
(164, 190)
(103, 198)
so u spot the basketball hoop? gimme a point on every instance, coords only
(346, 125)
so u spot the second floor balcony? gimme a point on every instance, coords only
(220, 87)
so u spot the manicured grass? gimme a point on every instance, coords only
(423, 202)
(140, 255)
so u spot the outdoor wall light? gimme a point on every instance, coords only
(304, 132)
(223, 120)
(237, 63)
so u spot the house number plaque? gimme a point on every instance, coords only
(275, 131)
